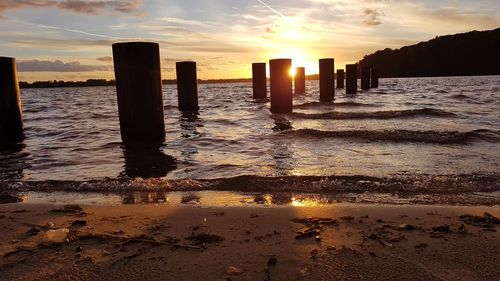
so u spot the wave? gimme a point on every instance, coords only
(439, 137)
(376, 115)
(459, 96)
(402, 184)
(317, 103)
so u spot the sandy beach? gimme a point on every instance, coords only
(177, 242)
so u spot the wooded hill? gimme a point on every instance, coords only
(471, 53)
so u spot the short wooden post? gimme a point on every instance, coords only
(299, 80)
(365, 78)
(374, 78)
(281, 85)
(340, 78)
(259, 80)
(187, 85)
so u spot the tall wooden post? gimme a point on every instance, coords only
(351, 78)
(326, 79)
(281, 85)
(139, 91)
(11, 118)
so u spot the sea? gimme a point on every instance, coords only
(424, 140)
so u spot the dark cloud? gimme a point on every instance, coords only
(79, 6)
(270, 30)
(57, 66)
(372, 17)
(105, 59)
(91, 7)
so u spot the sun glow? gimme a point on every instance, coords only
(301, 57)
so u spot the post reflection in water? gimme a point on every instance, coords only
(294, 199)
(13, 160)
(282, 156)
(146, 197)
(189, 122)
(281, 123)
(147, 161)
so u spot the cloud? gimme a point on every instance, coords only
(105, 59)
(57, 66)
(372, 17)
(78, 6)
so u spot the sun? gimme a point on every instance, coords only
(292, 72)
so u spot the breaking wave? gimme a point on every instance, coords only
(377, 114)
(440, 137)
(336, 104)
(403, 184)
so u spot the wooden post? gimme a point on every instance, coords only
(351, 78)
(187, 85)
(281, 86)
(11, 117)
(374, 78)
(340, 78)
(365, 78)
(299, 80)
(139, 91)
(259, 80)
(326, 80)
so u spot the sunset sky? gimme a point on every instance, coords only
(71, 39)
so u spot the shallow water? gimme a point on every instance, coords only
(416, 127)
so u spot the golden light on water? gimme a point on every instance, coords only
(304, 202)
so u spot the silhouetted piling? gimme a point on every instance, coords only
(340, 78)
(11, 118)
(374, 78)
(299, 80)
(139, 92)
(281, 85)
(259, 80)
(351, 78)
(187, 85)
(326, 79)
(365, 78)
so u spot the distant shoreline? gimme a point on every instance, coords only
(103, 82)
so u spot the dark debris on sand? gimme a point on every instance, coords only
(486, 221)
(7, 198)
(70, 209)
(204, 238)
(314, 226)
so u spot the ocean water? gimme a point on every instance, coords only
(418, 134)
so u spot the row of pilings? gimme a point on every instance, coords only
(140, 98)
(280, 81)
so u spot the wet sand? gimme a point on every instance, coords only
(176, 242)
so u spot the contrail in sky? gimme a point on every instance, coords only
(70, 30)
(78, 31)
(272, 9)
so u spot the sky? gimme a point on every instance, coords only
(71, 39)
